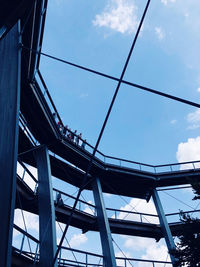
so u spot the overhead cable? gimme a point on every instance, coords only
(102, 130)
(144, 88)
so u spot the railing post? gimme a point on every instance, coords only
(164, 225)
(104, 227)
(60, 256)
(86, 260)
(23, 174)
(36, 255)
(22, 244)
(10, 60)
(79, 205)
(47, 229)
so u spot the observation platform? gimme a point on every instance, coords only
(69, 162)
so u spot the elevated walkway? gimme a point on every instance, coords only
(27, 200)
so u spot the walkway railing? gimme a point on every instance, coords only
(190, 165)
(127, 215)
(26, 176)
(119, 214)
(73, 257)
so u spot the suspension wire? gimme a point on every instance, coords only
(102, 129)
(144, 88)
(69, 245)
(178, 200)
(133, 208)
(23, 218)
(88, 205)
(166, 258)
(174, 188)
(195, 208)
(121, 251)
(100, 259)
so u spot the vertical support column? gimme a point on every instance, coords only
(10, 66)
(47, 227)
(104, 227)
(164, 225)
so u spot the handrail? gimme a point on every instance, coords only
(24, 124)
(35, 256)
(27, 170)
(99, 152)
(182, 212)
(108, 209)
(25, 233)
(120, 160)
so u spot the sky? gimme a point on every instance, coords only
(142, 127)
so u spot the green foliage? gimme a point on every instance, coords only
(188, 247)
(196, 188)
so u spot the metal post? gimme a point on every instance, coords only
(104, 227)
(164, 225)
(22, 244)
(10, 66)
(47, 227)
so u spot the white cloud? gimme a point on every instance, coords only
(141, 206)
(77, 240)
(27, 178)
(193, 119)
(119, 15)
(193, 126)
(189, 151)
(198, 89)
(31, 220)
(159, 33)
(123, 255)
(142, 243)
(89, 209)
(83, 95)
(150, 249)
(165, 2)
(173, 121)
(155, 252)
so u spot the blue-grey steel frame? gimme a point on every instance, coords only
(164, 225)
(104, 227)
(10, 66)
(47, 227)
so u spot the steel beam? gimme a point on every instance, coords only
(104, 228)
(47, 227)
(10, 66)
(164, 225)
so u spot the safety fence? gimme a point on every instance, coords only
(29, 179)
(28, 246)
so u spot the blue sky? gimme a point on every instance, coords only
(142, 127)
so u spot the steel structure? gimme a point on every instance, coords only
(29, 134)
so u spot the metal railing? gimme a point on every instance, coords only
(190, 165)
(26, 176)
(73, 257)
(120, 214)
(24, 126)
